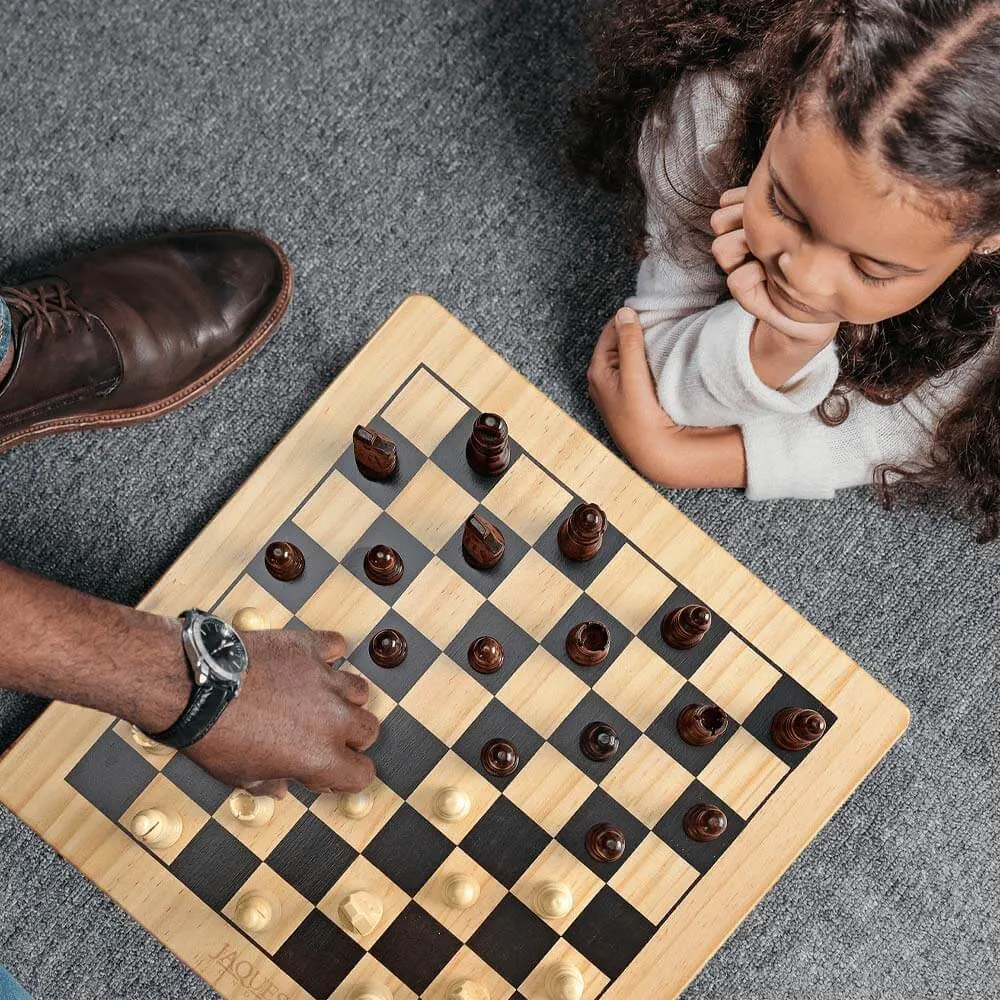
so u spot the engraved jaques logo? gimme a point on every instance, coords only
(249, 976)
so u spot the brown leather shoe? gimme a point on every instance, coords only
(134, 331)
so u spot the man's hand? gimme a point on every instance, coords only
(295, 718)
(747, 277)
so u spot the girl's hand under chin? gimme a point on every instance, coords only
(747, 279)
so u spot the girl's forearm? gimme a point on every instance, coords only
(691, 457)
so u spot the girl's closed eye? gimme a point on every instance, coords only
(772, 203)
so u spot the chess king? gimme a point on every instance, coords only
(121, 336)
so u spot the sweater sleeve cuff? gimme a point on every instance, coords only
(787, 459)
(729, 374)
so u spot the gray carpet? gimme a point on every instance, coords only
(415, 145)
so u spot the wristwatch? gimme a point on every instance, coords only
(218, 660)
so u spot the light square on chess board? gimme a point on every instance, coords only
(508, 890)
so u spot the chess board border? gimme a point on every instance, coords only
(422, 335)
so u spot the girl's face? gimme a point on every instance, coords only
(838, 234)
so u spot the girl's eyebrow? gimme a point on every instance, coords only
(889, 265)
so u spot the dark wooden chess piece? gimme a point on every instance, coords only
(700, 725)
(284, 561)
(483, 544)
(500, 757)
(588, 644)
(605, 842)
(684, 628)
(581, 534)
(387, 648)
(383, 565)
(705, 822)
(488, 450)
(797, 728)
(599, 741)
(376, 455)
(486, 655)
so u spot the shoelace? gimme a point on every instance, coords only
(44, 303)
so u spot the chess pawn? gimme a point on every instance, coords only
(361, 912)
(581, 534)
(157, 828)
(599, 741)
(500, 757)
(357, 805)
(486, 655)
(383, 565)
(554, 901)
(564, 982)
(797, 728)
(699, 725)
(144, 743)
(460, 891)
(605, 842)
(251, 810)
(705, 822)
(376, 456)
(387, 648)
(488, 450)
(588, 644)
(468, 989)
(371, 991)
(249, 620)
(684, 628)
(451, 804)
(284, 561)
(483, 544)
(254, 912)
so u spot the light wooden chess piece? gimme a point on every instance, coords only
(157, 828)
(371, 991)
(362, 912)
(461, 891)
(250, 620)
(468, 989)
(564, 982)
(554, 901)
(254, 912)
(451, 804)
(144, 743)
(357, 805)
(251, 810)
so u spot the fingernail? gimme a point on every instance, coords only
(626, 315)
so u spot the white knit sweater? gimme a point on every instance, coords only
(699, 346)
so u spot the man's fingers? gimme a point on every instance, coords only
(351, 687)
(331, 644)
(730, 250)
(635, 373)
(277, 789)
(363, 730)
(724, 220)
(733, 196)
(348, 772)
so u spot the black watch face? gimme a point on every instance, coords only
(225, 648)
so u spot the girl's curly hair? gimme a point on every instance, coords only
(920, 79)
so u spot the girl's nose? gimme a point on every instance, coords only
(809, 272)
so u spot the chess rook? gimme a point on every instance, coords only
(500, 757)
(700, 725)
(486, 655)
(157, 828)
(705, 822)
(599, 741)
(483, 543)
(376, 456)
(251, 810)
(684, 628)
(588, 644)
(361, 912)
(581, 534)
(387, 648)
(383, 565)
(488, 450)
(797, 728)
(605, 842)
(284, 561)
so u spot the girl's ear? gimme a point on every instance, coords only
(990, 245)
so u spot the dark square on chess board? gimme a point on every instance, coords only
(437, 712)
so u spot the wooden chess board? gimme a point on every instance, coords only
(640, 927)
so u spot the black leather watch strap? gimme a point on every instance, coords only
(202, 712)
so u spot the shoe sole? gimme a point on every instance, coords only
(140, 414)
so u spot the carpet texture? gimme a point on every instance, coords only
(409, 146)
